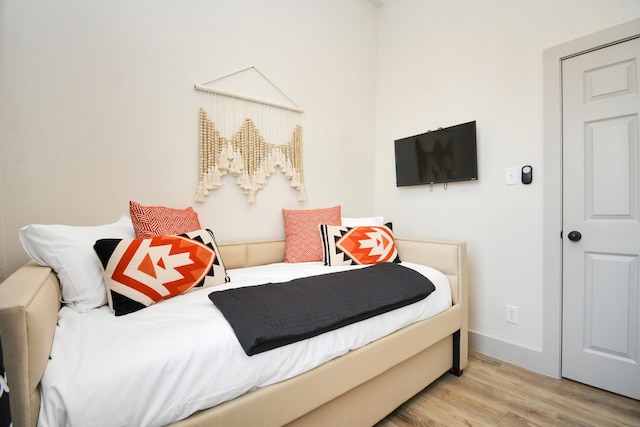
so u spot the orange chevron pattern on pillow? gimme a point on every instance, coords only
(151, 221)
(142, 272)
(358, 245)
(302, 241)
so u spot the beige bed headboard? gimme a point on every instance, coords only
(238, 255)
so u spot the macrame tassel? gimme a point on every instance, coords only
(246, 182)
(261, 177)
(231, 154)
(288, 170)
(271, 168)
(272, 161)
(204, 185)
(295, 180)
(277, 158)
(236, 165)
(215, 180)
(208, 181)
(224, 158)
(200, 193)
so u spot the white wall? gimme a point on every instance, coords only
(444, 63)
(97, 107)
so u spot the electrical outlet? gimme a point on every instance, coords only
(511, 314)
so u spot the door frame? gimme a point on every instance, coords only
(552, 183)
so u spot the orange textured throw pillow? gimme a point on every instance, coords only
(149, 221)
(303, 242)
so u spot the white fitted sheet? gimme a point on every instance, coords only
(165, 362)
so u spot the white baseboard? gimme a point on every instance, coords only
(527, 358)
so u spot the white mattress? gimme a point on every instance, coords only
(167, 361)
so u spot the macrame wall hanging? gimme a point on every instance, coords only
(247, 138)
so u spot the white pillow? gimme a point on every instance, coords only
(68, 250)
(369, 220)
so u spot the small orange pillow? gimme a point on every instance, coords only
(363, 244)
(303, 242)
(149, 221)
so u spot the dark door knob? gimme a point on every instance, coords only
(574, 236)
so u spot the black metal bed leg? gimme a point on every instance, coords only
(456, 354)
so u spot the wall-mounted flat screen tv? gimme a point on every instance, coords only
(440, 156)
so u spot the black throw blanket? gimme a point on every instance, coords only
(268, 316)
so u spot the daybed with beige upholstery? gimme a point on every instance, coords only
(358, 388)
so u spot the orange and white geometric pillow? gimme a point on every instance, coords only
(358, 245)
(159, 220)
(142, 272)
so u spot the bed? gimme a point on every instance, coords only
(358, 388)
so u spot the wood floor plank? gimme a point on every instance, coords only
(494, 393)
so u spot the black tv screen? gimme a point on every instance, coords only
(443, 155)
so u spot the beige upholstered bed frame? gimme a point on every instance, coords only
(358, 388)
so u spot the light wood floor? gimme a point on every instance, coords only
(494, 393)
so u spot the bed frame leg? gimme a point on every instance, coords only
(456, 354)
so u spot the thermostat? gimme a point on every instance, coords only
(527, 174)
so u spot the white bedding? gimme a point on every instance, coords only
(165, 362)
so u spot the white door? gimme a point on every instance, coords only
(601, 202)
